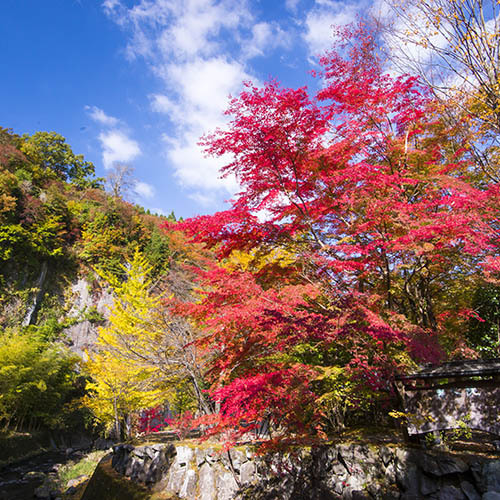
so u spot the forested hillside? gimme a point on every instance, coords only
(60, 234)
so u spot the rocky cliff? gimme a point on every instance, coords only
(81, 335)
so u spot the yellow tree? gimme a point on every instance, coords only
(117, 389)
(454, 46)
(137, 363)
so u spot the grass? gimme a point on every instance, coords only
(84, 467)
(107, 483)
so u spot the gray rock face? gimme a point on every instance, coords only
(469, 491)
(491, 495)
(451, 493)
(83, 335)
(336, 472)
(441, 466)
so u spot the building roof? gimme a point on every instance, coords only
(463, 368)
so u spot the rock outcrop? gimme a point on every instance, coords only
(82, 335)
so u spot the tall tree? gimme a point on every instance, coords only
(360, 184)
(120, 180)
(54, 156)
(143, 354)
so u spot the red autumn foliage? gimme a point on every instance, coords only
(360, 184)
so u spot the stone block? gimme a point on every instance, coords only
(184, 455)
(226, 484)
(175, 478)
(491, 476)
(408, 477)
(476, 469)
(247, 472)
(491, 495)
(469, 491)
(188, 487)
(450, 493)
(200, 456)
(442, 465)
(206, 484)
(428, 485)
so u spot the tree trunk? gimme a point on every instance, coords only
(117, 430)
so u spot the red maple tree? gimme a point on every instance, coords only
(362, 185)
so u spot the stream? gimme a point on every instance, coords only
(18, 481)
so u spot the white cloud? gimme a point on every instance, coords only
(199, 49)
(193, 169)
(203, 199)
(144, 190)
(202, 88)
(99, 116)
(193, 32)
(181, 29)
(110, 4)
(117, 148)
(292, 5)
(265, 37)
(188, 46)
(321, 20)
(197, 111)
(163, 104)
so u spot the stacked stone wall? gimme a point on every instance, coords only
(345, 471)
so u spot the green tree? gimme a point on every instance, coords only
(37, 380)
(54, 156)
(484, 328)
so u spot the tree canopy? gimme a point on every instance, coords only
(360, 187)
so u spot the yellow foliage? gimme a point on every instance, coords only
(128, 369)
(258, 259)
(7, 183)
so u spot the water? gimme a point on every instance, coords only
(19, 481)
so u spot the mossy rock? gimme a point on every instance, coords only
(107, 484)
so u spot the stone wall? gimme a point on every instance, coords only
(345, 471)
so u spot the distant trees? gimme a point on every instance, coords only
(37, 223)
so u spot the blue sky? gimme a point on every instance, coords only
(138, 81)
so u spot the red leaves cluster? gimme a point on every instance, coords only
(152, 420)
(363, 185)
